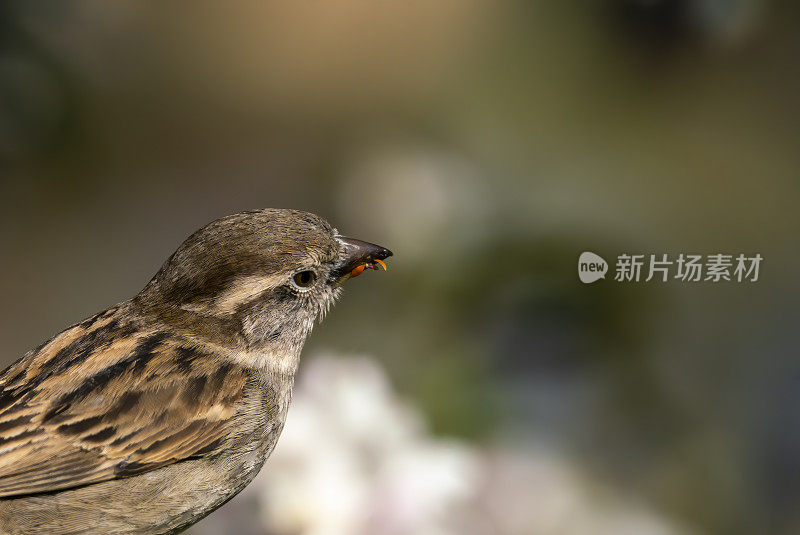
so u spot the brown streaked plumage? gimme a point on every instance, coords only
(149, 415)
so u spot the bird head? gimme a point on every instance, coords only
(258, 278)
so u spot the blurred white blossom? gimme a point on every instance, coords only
(354, 459)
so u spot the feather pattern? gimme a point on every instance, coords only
(68, 416)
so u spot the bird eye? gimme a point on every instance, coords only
(303, 279)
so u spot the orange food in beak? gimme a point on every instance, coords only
(358, 270)
(373, 264)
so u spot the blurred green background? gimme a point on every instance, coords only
(487, 143)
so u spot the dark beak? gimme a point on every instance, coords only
(357, 253)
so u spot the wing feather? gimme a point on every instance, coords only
(104, 400)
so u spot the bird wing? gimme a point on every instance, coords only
(104, 400)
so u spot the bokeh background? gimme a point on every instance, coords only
(478, 386)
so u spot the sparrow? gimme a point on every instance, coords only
(148, 416)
